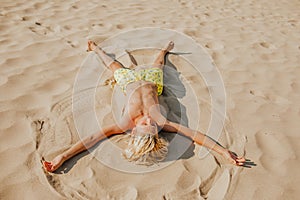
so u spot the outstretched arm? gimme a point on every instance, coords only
(205, 141)
(80, 146)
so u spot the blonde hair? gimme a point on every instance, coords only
(146, 149)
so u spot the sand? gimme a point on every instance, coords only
(254, 45)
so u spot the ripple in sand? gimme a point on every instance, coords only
(274, 159)
(3, 80)
(126, 192)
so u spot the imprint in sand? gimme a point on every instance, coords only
(189, 171)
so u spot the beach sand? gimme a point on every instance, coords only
(253, 44)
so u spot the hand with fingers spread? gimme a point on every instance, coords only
(233, 158)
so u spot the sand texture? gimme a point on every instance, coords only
(253, 44)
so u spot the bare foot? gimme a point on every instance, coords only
(54, 164)
(92, 46)
(234, 159)
(170, 46)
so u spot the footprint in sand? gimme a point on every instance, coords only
(38, 127)
(73, 44)
(40, 29)
(267, 45)
(264, 44)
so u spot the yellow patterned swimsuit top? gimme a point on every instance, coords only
(124, 76)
